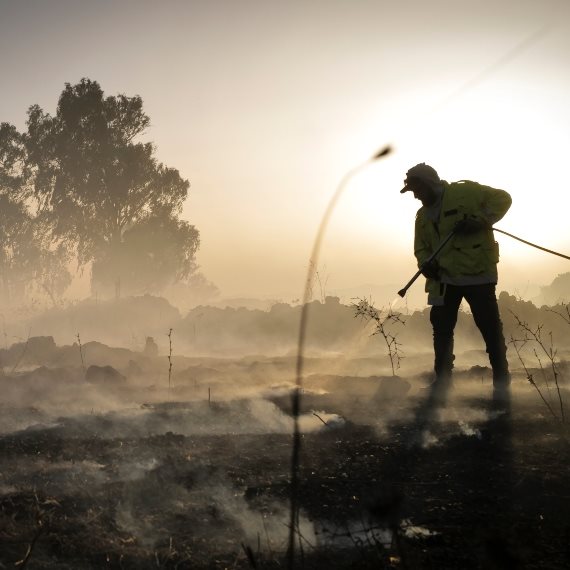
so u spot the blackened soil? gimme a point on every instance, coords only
(496, 495)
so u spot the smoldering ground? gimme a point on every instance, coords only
(135, 466)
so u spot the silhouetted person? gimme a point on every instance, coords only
(465, 268)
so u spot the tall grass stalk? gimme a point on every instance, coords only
(295, 404)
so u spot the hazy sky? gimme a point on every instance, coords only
(265, 105)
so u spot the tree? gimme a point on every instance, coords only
(27, 259)
(154, 253)
(15, 227)
(100, 190)
(12, 161)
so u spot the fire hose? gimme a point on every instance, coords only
(402, 292)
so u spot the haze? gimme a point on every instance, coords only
(169, 399)
(264, 107)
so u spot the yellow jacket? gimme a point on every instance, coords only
(467, 259)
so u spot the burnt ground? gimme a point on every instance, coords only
(477, 488)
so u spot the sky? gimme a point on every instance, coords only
(266, 105)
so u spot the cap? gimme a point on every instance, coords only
(421, 171)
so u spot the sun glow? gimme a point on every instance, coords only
(490, 137)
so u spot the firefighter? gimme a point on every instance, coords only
(466, 268)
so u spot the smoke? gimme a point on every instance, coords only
(7, 489)
(216, 511)
(204, 463)
(229, 417)
(428, 439)
(468, 430)
(139, 527)
(462, 415)
(137, 469)
(21, 418)
(269, 529)
(453, 421)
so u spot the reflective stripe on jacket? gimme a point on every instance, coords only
(469, 258)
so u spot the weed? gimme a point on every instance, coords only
(383, 320)
(535, 336)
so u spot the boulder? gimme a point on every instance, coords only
(104, 375)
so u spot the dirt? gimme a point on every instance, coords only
(379, 487)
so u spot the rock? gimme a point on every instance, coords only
(35, 350)
(104, 375)
(47, 376)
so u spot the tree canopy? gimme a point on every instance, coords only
(103, 193)
(80, 185)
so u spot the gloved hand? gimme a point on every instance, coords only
(431, 270)
(470, 226)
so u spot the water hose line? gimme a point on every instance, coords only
(402, 292)
(532, 244)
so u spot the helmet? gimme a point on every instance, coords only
(421, 171)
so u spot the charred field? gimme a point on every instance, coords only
(125, 472)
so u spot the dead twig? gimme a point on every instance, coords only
(536, 335)
(529, 375)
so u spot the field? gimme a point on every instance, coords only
(125, 472)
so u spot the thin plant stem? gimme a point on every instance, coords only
(81, 352)
(169, 357)
(529, 375)
(550, 352)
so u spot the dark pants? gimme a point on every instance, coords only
(483, 303)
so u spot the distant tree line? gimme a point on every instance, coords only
(81, 187)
